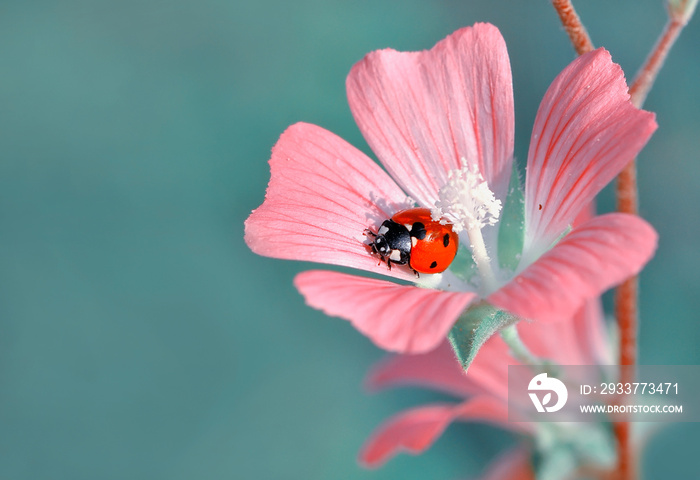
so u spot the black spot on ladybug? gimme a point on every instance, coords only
(418, 230)
(446, 240)
(540, 207)
(433, 265)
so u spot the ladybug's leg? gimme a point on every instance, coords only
(369, 232)
(381, 257)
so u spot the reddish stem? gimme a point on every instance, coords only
(627, 321)
(626, 304)
(573, 26)
(647, 74)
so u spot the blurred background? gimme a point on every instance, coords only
(141, 339)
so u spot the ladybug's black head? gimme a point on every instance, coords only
(381, 245)
(393, 243)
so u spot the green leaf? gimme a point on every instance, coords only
(474, 327)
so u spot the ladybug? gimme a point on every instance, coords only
(412, 237)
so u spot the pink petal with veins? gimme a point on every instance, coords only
(323, 194)
(582, 340)
(421, 112)
(592, 258)
(585, 132)
(399, 318)
(415, 430)
(592, 334)
(438, 369)
(577, 341)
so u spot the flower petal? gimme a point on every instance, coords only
(437, 369)
(400, 318)
(421, 112)
(580, 341)
(592, 335)
(415, 430)
(323, 194)
(593, 257)
(585, 132)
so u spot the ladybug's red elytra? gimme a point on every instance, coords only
(412, 237)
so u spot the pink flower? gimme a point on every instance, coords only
(440, 120)
(580, 341)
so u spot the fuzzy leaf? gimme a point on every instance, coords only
(473, 328)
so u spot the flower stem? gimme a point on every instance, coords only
(572, 24)
(626, 304)
(626, 307)
(626, 295)
(646, 76)
(481, 259)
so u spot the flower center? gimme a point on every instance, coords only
(467, 202)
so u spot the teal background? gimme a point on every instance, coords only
(141, 339)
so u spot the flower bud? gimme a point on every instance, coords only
(682, 10)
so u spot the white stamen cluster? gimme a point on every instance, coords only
(466, 201)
